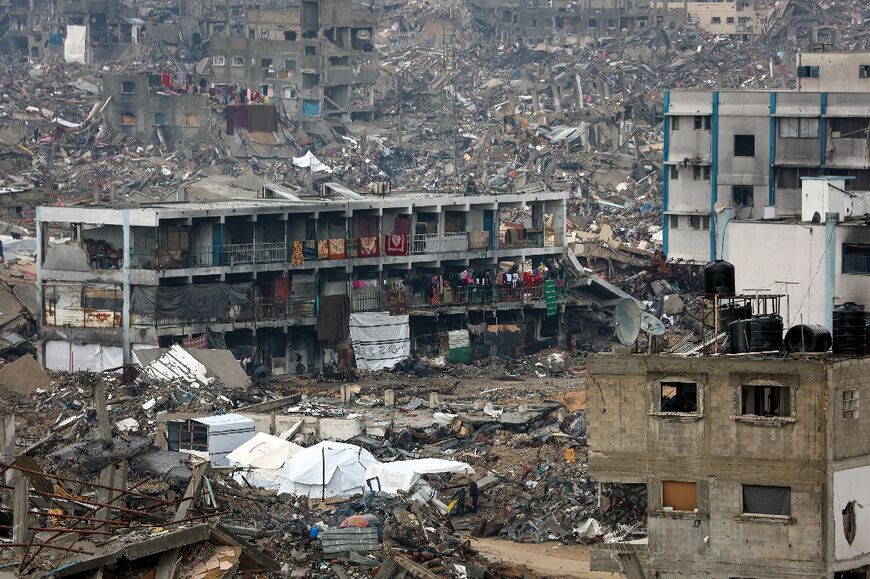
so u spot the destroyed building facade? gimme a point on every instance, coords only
(752, 465)
(731, 155)
(535, 21)
(319, 59)
(151, 109)
(277, 279)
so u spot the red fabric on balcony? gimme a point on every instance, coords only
(337, 249)
(368, 247)
(397, 244)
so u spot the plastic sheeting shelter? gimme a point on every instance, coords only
(262, 457)
(308, 160)
(379, 340)
(403, 474)
(61, 355)
(326, 470)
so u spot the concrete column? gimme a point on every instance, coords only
(7, 443)
(830, 267)
(125, 272)
(21, 512)
(389, 397)
(115, 477)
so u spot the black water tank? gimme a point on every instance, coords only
(731, 313)
(738, 337)
(808, 338)
(719, 278)
(765, 333)
(850, 333)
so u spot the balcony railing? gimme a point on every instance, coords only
(261, 310)
(375, 300)
(336, 249)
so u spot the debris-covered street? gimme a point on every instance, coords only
(371, 289)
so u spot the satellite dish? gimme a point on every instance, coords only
(626, 321)
(651, 325)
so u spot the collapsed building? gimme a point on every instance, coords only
(318, 60)
(278, 280)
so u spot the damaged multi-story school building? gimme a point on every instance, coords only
(278, 279)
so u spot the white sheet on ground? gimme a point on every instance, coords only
(309, 160)
(402, 474)
(379, 340)
(326, 470)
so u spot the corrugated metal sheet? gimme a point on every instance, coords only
(349, 539)
(83, 306)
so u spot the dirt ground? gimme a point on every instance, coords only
(550, 559)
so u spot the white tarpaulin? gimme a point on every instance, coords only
(327, 469)
(402, 474)
(75, 44)
(262, 457)
(379, 339)
(309, 160)
(60, 355)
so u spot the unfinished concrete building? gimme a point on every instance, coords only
(276, 279)
(318, 59)
(152, 109)
(755, 467)
(26, 27)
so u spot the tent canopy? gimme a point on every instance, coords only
(402, 474)
(327, 469)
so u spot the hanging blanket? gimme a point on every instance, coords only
(368, 247)
(296, 258)
(322, 249)
(397, 244)
(336, 249)
(379, 339)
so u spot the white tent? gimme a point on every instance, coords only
(309, 160)
(262, 458)
(402, 474)
(327, 469)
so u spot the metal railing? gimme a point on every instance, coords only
(260, 310)
(355, 247)
(376, 300)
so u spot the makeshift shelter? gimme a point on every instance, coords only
(402, 475)
(210, 437)
(262, 458)
(326, 470)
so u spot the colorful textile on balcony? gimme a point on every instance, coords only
(368, 247)
(397, 244)
(296, 257)
(337, 249)
(198, 343)
(323, 249)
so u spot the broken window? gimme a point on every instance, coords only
(191, 120)
(790, 177)
(675, 123)
(856, 258)
(703, 122)
(289, 35)
(310, 50)
(742, 196)
(808, 72)
(848, 128)
(611, 24)
(675, 221)
(593, 23)
(729, 20)
(289, 92)
(744, 145)
(679, 495)
(310, 80)
(159, 120)
(678, 397)
(218, 61)
(128, 119)
(699, 222)
(128, 87)
(289, 65)
(265, 62)
(675, 173)
(701, 172)
(716, 20)
(864, 71)
(186, 435)
(238, 61)
(766, 500)
(765, 400)
(850, 404)
(799, 128)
